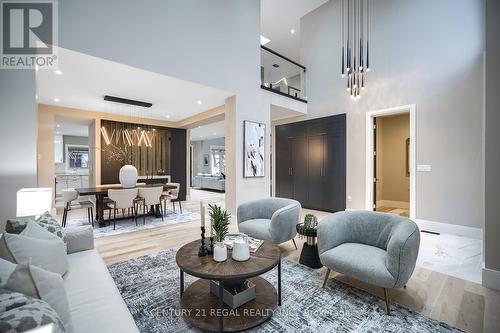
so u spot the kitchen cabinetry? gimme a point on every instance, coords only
(71, 181)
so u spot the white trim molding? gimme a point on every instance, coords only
(491, 278)
(411, 109)
(447, 228)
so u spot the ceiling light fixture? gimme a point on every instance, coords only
(58, 72)
(264, 40)
(355, 33)
(56, 100)
(199, 102)
(292, 31)
(167, 116)
(127, 101)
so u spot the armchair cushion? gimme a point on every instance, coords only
(258, 228)
(364, 262)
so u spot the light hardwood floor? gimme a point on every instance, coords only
(460, 303)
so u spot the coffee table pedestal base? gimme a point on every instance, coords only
(202, 308)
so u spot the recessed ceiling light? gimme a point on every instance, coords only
(201, 136)
(167, 116)
(292, 31)
(58, 132)
(36, 96)
(58, 125)
(58, 72)
(264, 40)
(215, 133)
(199, 102)
(56, 99)
(199, 126)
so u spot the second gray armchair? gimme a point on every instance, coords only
(377, 248)
(272, 219)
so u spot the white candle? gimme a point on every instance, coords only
(202, 213)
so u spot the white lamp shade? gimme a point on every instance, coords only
(34, 201)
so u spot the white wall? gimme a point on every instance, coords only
(209, 42)
(423, 52)
(18, 132)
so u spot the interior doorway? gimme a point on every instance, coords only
(390, 175)
(391, 186)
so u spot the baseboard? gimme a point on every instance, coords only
(447, 228)
(491, 278)
(395, 204)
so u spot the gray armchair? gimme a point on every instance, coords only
(272, 219)
(377, 248)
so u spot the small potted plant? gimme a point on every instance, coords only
(220, 223)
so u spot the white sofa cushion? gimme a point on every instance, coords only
(47, 286)
(6, 269)
(94, 300)
(47, 254)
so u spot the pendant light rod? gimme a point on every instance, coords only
(355, 39)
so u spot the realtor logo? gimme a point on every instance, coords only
(28, 34)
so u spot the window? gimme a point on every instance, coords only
(218, 159)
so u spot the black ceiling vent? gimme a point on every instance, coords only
(276, 65)
(127, 101)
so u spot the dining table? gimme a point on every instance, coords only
(101, 192)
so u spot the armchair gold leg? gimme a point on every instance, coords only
(387, 302)
(326, 277)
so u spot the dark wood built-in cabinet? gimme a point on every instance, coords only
(311, 162)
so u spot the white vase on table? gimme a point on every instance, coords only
(220, 251)
(128, 176)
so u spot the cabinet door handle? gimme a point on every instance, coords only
(291, 171)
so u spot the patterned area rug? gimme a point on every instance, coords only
(150, 287)
(128, 225)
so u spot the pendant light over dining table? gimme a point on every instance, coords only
(355, 44)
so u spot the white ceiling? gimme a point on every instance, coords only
(278, 17)
(86, 79)
(209, 131)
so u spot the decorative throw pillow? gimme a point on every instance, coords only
(35, 230)
(48, 222)
(47, 254)
(6, 269)
(39, 283)
(17, 225)
(20, 313)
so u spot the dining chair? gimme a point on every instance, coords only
(123, 199)
(172, 196)
(149, 196)
(71, 202)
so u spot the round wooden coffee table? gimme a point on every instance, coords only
(208, 312)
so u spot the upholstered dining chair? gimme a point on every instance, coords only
(172, 196)
(71, 202)
(150, 196)
(377, 248)
(271, 219)
(123, 199)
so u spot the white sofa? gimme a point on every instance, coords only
(94, 300)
